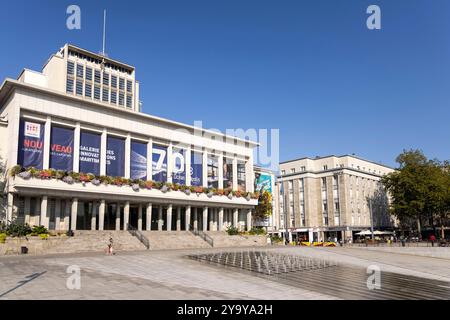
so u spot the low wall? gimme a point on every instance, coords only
(35, 245)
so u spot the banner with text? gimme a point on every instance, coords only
(61, 149)
(196, 170)
(115, 157)
(179, 166)
(90, 152)
(138, 161)
(31, 144)
(159, 163)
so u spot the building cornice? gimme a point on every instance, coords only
(9, 85)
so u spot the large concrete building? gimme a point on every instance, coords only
(101, 164)
(328, 197)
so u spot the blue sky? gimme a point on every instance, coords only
(310, 68)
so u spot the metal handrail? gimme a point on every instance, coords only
(139, 235)
(202, 235)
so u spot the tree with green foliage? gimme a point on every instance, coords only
(264, 207)
(419, 190)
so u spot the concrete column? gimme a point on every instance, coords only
(187, 218)
(140, 217)
(221, 219)
(73, 225)
(211, 219)
(66, 215)
(220, 170)
(235, 183)
(47, 135)
(44, 214)
(195, 224)
(148, 220)
(27, 209)
(58, 214)
(160, 218)
(126, 215)
(188, 166)
(205, 218)
(178, 218)
(76, 148)
(127, 156)
(103, 145)
(169, 218)
(101, 215)
(117, 216)
(169, 163)
(37, 212)
(249, 219)
(9, 212)
(235, 217)
(94, 216)
(205, 169)
(149, 161)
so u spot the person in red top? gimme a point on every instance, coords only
(432, 239)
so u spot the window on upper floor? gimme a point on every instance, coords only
(325, 167)
(97, 76)
(121, 84)
(88, 74)
(70, 68)
(69, 86)
(80, 70)
(129, 86)
(105, 79)
(293, 170)
(283, 172)
(303, 168)
(79, 88)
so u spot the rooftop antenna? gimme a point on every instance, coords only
(104, 31)
(102, 65)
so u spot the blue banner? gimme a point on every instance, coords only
(115, 157)
(179, 167)
(90, 152)
(31, 144)
(61, 149)
(138, 161)
(159, 163)
(196, 169)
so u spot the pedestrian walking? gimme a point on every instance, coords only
(432, 239)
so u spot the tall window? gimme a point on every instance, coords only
(79, 87)
(80, 71)
(105, 96)
(69, 85)
(129, 86)
(113, 81)
(113, 96)
(241, 175)
(105, 79)
(88, 90)
(97, 92)
(97, 76)
(129, 101)
(121, 84)
(227, 173)
(70, 68)
(213, 171)
(88, 74)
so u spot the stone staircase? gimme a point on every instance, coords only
(223, 240)
(97, 241)
(160, 240)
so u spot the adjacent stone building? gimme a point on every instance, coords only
(328, 197)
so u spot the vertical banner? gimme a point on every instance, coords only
(179, 166)
(263, 182)
(90, 152)
(115, 157)
(138, 163)
(159, 163)
(227, 173)
(196, 169)
(213, 171)
(241, 176)
(31, 144)
(61, 149)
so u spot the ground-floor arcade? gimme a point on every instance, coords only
(88, 213)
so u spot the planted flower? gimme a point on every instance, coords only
(45, 174)
(148, 185)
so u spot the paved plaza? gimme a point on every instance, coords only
(171, 275)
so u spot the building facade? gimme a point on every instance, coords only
(80, 154)
(330, 197)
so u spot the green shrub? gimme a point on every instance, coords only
(257, 231)
(276, 239)
(2, 237)
(15, 229)
(232, 231)
(43, 236)
(39, 230)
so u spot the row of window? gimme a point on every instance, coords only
(105, 94)
(108, 80)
